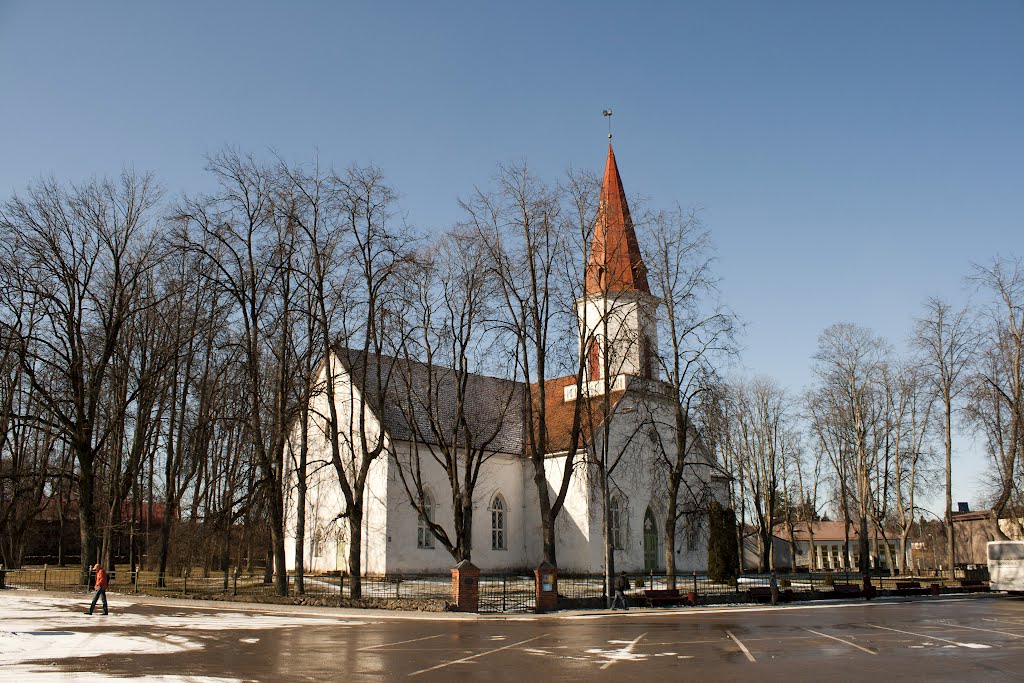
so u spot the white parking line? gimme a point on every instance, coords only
(742, 646)
(1005, 621)
(478, 655)
(623, 653)
(401, 642)
(988, 630)
(973, 646)
(825, 635)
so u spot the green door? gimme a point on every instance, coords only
(650, 541)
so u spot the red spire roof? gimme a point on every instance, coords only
(615, 262)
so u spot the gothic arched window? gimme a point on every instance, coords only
(498, 535)
(616, 527)
(424, 536)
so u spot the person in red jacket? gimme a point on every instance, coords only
(101, 588)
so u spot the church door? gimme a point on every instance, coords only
(650, 541)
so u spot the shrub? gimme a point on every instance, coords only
(723, 549)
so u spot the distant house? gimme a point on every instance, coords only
(828, 551)
(973, 530)
(53, 535)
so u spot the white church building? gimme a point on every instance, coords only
(618, 322)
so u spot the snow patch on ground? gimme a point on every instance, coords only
(37, 633)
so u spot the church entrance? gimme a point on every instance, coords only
(650, 541)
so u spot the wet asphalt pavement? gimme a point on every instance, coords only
(951, 638)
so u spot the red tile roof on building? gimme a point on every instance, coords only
(823, 531)
(559, 413)
(615, 262)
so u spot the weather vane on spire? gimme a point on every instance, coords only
(607, 113)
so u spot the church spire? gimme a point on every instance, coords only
(615, 262)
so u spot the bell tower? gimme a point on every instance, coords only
(616, 314)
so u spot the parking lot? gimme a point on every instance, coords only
(43, 637)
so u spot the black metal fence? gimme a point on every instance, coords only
(507, 593)
(576, 587)
(497, 593)
(312, 585)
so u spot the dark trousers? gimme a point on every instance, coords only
(100, 593)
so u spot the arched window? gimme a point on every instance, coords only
(424, 537)
(498, 536)
(594, 359)
(615, 523)
(692, 527)
(650, 541)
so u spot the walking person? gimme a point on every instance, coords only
(101, 588)
(621, 585)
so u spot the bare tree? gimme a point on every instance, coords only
(697, 334)
(358, 244)
(459, 419)
(80, 254)
(249, 244)
(764, 436)
(848, 364)
(909, 406)
(947, 339)
(995, 404)
(534, 235)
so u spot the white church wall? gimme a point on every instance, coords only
(641, 428)
(533, 536)
(574, 526)
(641, 425)
(500, 474)
(377, 510)
(324, 497)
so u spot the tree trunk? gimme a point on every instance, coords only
(300, 502)
(950, 553)
(86, 512)
(277, 540)
(670, 540)
(355, 551)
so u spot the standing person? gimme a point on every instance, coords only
(101, 588)
(621, 584)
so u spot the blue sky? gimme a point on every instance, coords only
(850, 159)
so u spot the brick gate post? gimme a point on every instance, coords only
(547, 587)
(466, 587)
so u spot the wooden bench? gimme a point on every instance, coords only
(667, 596)
(910, 588)
(846, 589)
(973, 586)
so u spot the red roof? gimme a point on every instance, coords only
(51, 510)
(823, 531)
(559, 413)
(615, 262)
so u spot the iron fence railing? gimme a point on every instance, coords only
(578, 587)
(497, 593)
(312, 585)
(507, 593)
